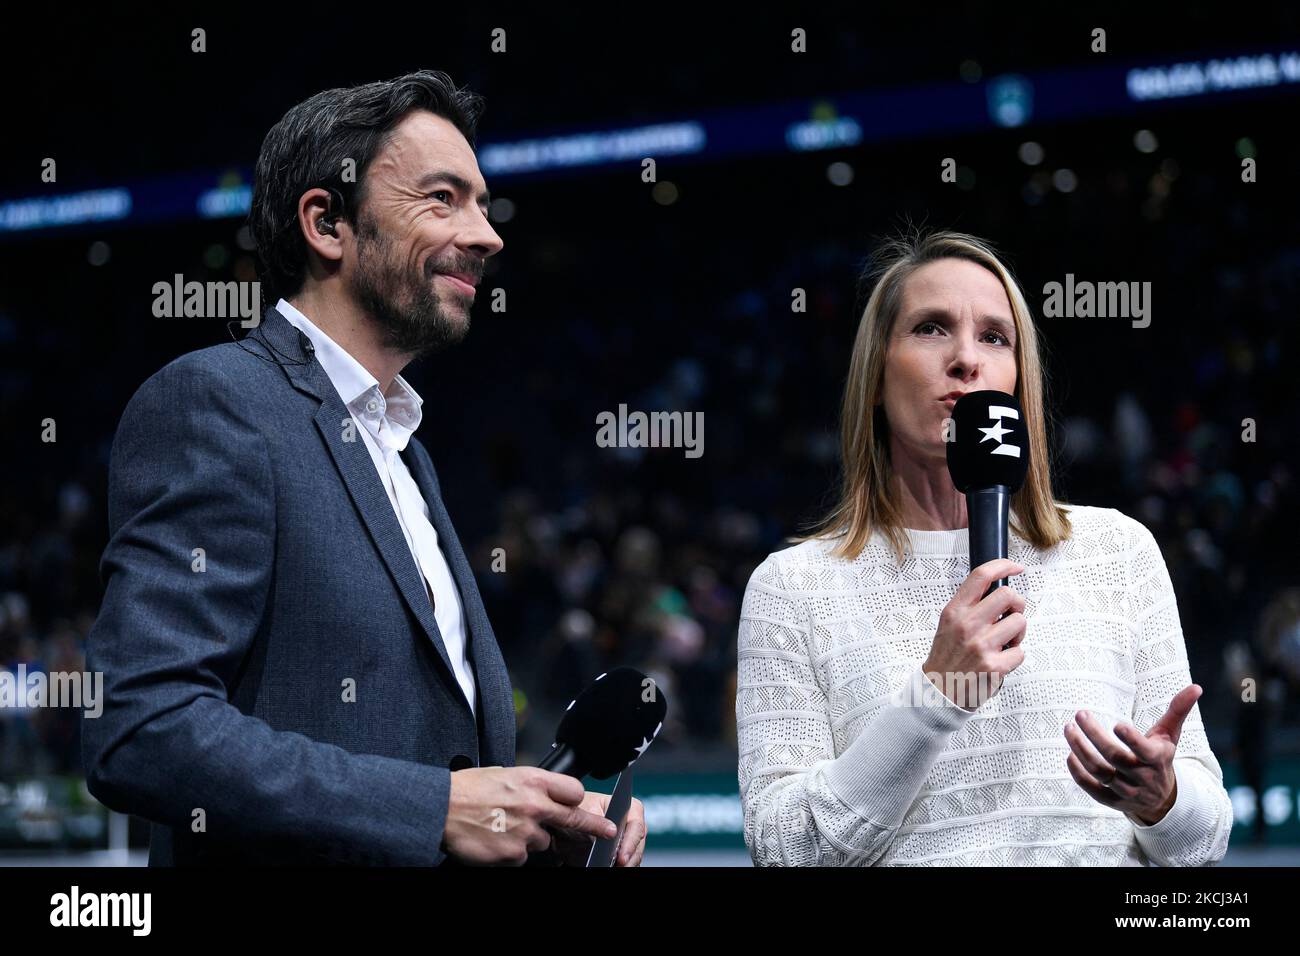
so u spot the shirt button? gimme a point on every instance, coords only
(372, 406)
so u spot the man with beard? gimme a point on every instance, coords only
(298, 666)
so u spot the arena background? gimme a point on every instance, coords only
(775, 171)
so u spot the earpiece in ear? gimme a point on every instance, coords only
(325, 224)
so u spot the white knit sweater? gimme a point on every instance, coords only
(836, 768)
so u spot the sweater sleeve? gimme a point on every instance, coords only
(1196, 829)
(802, 804)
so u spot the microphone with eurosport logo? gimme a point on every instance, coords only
(608, 726)
(603, 732)
(988, 457)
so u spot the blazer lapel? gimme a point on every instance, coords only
(286, 349)
(353, 461)
(367, 491)
(490, 672)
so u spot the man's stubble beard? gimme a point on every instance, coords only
(407, 308)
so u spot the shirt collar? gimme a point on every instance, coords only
(399, 411)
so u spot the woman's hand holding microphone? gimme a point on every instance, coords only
(975, 647)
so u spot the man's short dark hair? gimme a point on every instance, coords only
(309, 145)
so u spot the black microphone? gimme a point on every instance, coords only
(608, 726)
(988, 457)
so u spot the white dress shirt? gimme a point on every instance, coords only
(386, 425)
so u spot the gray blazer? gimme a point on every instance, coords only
(228, 720)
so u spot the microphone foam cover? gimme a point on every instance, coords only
(990, 443)
(613, 721)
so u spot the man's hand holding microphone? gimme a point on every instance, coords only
(502, 814)
(499, 815)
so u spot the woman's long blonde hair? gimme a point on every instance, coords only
(867, 498)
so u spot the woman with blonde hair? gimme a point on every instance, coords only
(856, 745)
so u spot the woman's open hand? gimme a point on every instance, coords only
(1130, 771)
